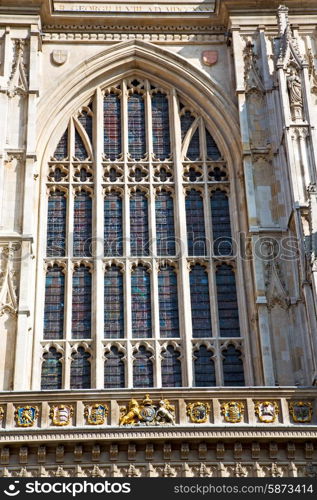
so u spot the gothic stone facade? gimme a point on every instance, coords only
(244, 76)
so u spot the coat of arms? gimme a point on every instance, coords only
(61, 414)
(147, 413)
(232, 411)
(59, 57)
(1, 413)
(301, 411)
(266, 411)
(25, 416)
(96, 413)
(198, 412)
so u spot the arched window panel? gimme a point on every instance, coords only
(81, 303)
(160, 126)
(165, 234)
(221, 229)
(51, 377)
(80, 149)
(233, 373)
(114, 308)
(195, 223)
(82, 224)
(171, 368)
(56, 224)
(142, 369)
(80, 370)
(168, 302)
(54, 303)
(193, 151)
(187, 119)
(227, 302)
(136, 126)
(112, 126)
(204, 368)
(61, 151)
(139, 225)
(213, 152)
(200, 302)
(85, 119)
(141, 303)
(113, 237)
(114, 369)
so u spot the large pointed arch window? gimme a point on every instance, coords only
(140, 263)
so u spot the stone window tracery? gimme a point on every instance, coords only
(139, 252)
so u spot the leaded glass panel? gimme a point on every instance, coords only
(141, 303)
(112, 126)
(82, 224)
(227, 302)
(51, 378)
(160, 126)
(56, 224)
(233, 373)
(80, 370)
(114, 312)
(204, 368)
(196, 238)
(165, 235)
(200, 302)
(54, 303)
(171, 368)
(139, 226)
(142, 369)
(113, 240)
(114, 369)
(168, 302)
(136, 127)
(221, 229)
(81, 306)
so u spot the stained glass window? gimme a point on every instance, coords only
(160, 126)
(142, 368)
(82, 224)
(113, 224)
(61, 152)
(112, 126)
(193, 152)
(227, 302)
(164, 213)
(80, 149)
(81, 306)
(232, 367)
(187, 119)
(114, 312)
(54, 303)
(212, 148)
(168, 302)
(139, 227)
(80, 370)
(51, 378)
(136, 126)
(141, 303)
(85, 118)
(114, 369)
(204, 368)
(200, 302)
(171, 368)
(56, 224)
(221, 223)
(195, 223)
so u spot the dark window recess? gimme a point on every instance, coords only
(113, 241)
(227, 302)
(233, 374)
(200, 303)
(86, 121)
(171, 368)
(160, 126)
(139, 227)
(61, 152)
(80, 370)
(141, 303)
(204, 368)
(112, 126)
(165, 235)
(82, 225)
(51, 378)
(193, 151)
(114, 313)
(80, 149)
(213, 152)
(81, 307)
(187, 119)
(136, 127)
(168, 302)
(195, 223)
(142, 369)
(221, 223)
(56, 224)
(114, 369)
(54, 303)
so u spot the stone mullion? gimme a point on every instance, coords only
(180, 227)
(126, 236)
(98, 233)
(68, 322)
(4, 109)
